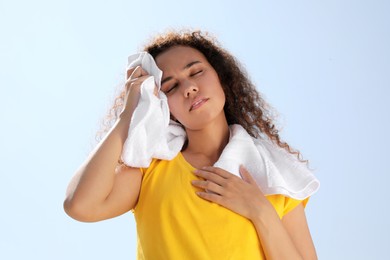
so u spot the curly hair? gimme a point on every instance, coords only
(244, 104)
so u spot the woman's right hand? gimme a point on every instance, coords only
(135, 77)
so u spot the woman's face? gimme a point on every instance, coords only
(194, 92)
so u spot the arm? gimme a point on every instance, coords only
(296, 225)
(281, 239)
(288, 238)
(100, 188)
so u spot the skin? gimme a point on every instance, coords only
(101, 189)
(206, 126)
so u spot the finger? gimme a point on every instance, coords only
(207, 175)
(210, 196)
(245, 175)
(131, 70)
(155, 91)
(208, 186)
(219, 171)
(134, 82)
(136, 72)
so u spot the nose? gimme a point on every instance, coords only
(190, 89)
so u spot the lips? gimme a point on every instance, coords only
(198, 103)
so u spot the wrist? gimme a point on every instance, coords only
(126, 114)
(121, 126)
(264, 215)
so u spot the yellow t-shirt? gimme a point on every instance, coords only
(174, 223)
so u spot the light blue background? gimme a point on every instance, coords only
(324, 65)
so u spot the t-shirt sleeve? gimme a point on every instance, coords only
(290, 204)
(145, 172)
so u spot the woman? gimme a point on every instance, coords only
(185, 208)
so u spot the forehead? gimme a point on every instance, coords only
(177, 57)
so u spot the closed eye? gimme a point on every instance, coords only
(171, 88)
(196, 73)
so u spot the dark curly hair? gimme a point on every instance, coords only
(244, 105)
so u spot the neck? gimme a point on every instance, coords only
(208, 141)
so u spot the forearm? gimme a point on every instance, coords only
(94, 180)
(274, 238)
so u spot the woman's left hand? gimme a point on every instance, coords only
(242, 196)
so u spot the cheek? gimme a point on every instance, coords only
(221, 93)
(173, 107)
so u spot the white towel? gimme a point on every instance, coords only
(275, 170)
(153, 135)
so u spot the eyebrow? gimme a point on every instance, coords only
(184, 68)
